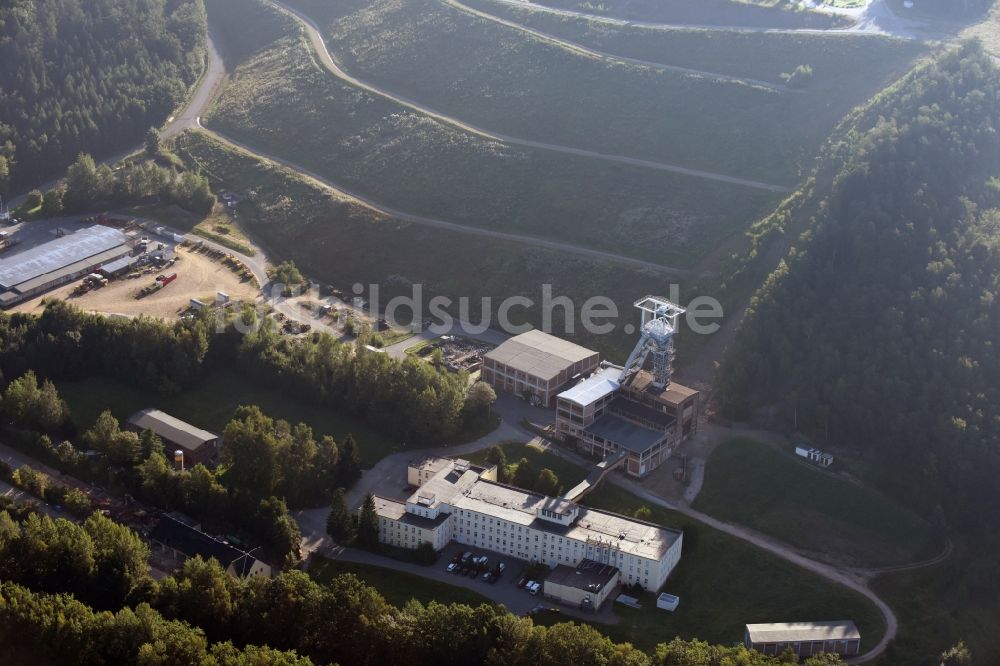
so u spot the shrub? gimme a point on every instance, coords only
(800, 77)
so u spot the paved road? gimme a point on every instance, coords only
(611, 57)
(846, 578)
(315, 36)
(202, 97)
(185, 118)
(875, 18)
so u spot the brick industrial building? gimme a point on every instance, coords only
(197, 445)
(537, 365)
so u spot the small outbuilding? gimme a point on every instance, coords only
(813, 455)
(804, 638)
(586, 586)
(181, 540)
(198, 446)
(668, 602)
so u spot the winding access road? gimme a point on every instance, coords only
(313, 521)
(185, 118)
(326, 58)
(611, 57)
(445, 225)
(875, 18)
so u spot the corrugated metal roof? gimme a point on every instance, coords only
(173, 429)
(75, 268)
(800, 632)
(593, 388)
(119, 264)
(539, 354)
(57, 254)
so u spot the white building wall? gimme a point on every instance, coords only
(472, 528)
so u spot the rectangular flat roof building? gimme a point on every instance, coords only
(804, 638)
(586, 586)
(464, 503)
(536, 363)
(52, 264)
(199, 446)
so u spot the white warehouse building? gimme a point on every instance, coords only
(464, 503)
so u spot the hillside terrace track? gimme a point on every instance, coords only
(326, 58)
(611, 57)
(435, 223)
(191, 117)
(870, 21)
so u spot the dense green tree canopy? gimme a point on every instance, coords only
(90, 76)
(879, 331)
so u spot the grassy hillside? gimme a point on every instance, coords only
(880, 327)
(725, 583)
(847, 68)
(282, 102)
(338, 241)
(760, 13)
(504, 80)
(753, 484)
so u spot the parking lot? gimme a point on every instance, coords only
(504, 591)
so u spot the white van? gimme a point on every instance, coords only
(534, 588)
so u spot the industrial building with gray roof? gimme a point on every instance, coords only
(538, 364)
(61, 260)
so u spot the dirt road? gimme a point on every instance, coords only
(198, 101)
(201, 98)
(388, 211)
(845, 578)
(611, 57)
(198, 277)
(875, 18)
(316, 38)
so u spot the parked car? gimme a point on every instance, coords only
(452, 567)
(534, 588)
(487, 576)
(522, 581)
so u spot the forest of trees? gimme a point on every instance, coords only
(950, 8)
(89, 76)
(202, 615)
(88, 186)
(408, 399)
(879, 331)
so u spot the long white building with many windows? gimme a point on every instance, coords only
(464, 503)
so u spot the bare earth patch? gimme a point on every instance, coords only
(197, 277)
